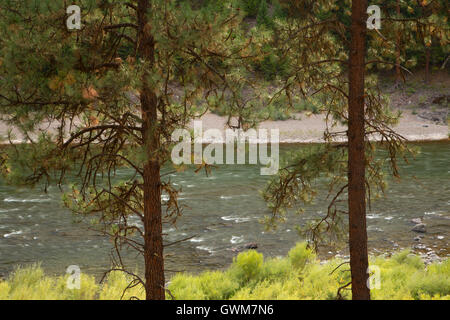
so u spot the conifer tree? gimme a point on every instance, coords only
(411, 31)
(326, 45)
(109, 95)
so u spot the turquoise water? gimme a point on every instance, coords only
(223, 211)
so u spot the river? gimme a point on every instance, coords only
(223, 210)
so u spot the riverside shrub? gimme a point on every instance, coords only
(300, 275)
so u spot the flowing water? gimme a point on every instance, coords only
(223, 211)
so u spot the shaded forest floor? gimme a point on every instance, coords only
(428, 101)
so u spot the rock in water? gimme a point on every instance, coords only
(416, 220)
(419, 228)
(251, 245)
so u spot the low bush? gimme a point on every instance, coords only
(300, 275)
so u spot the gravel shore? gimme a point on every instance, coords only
(308, 128)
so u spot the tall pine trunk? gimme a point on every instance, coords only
(398, 74)
(356, 155)
(153, 242)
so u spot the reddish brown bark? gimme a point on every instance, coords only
(398, 72)
(153, 242)
(356, 155)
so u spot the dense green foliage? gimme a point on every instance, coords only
(251, 7)
(411, 27)
(300, 275)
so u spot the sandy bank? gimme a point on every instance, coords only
(309, 129)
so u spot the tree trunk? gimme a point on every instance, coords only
(153, 242)
(398, 72)
(356, 155)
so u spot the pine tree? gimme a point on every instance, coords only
(410, 30)
(432, 27)
(325, 42)
(113, 92)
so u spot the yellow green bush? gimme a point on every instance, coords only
(300, 275)
(113, 288)
(32, 284)
(300, 255)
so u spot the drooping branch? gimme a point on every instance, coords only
(96, 128)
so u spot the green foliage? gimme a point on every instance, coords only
(185, 286)
(279, 110)
(272, 112)
(275, 269)
(273, 66)
(278, 11)
(251, 7)
(31, 284)
(211, 285)
(247, 266)
(113, 288)
(251, 277)
(410, 33)
(404, 276)
(406, 258)
(435, 284)
(300, 255)
(263, 14)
